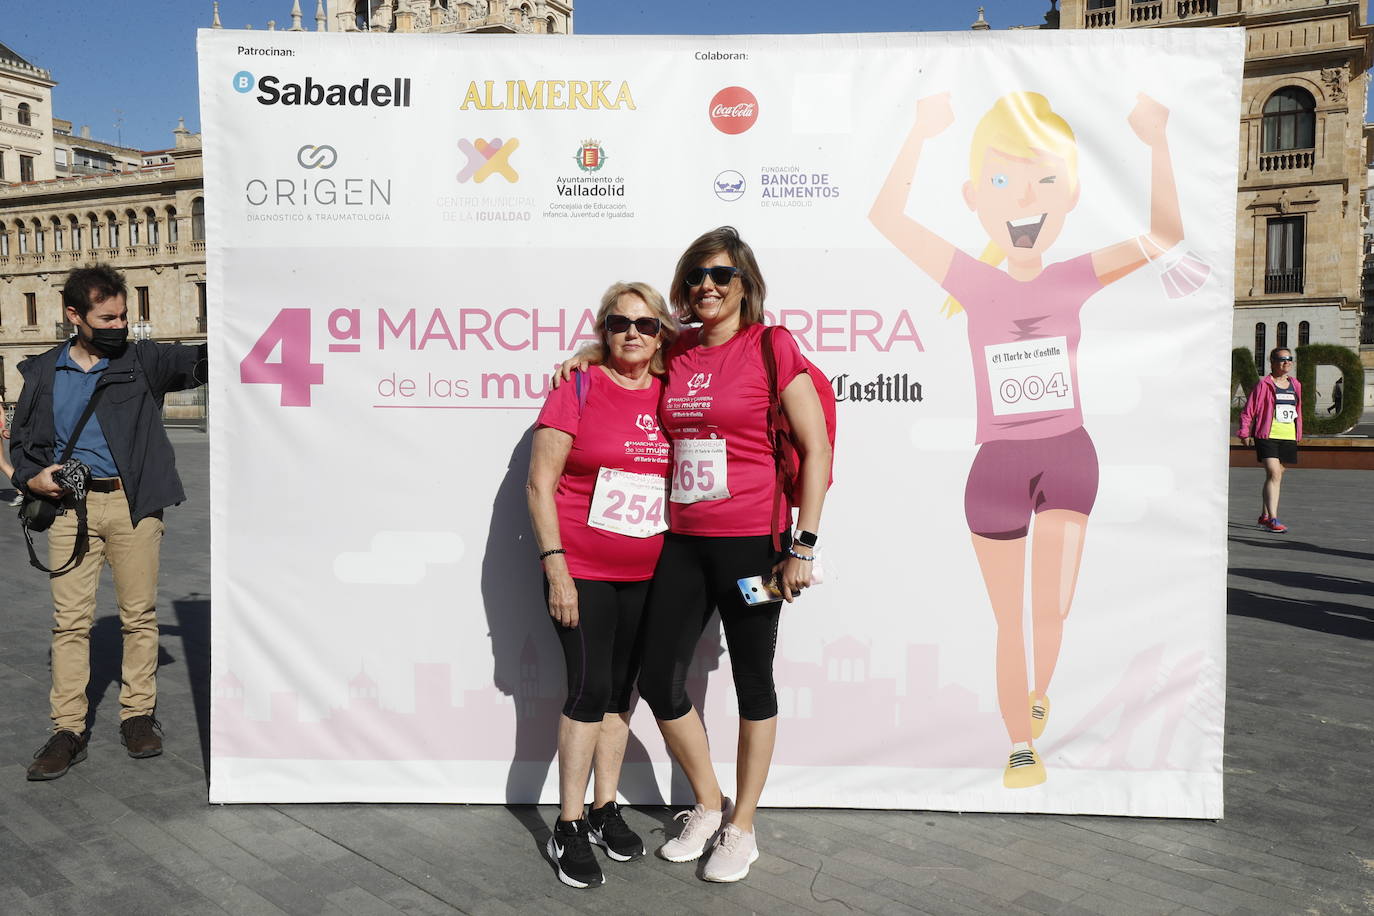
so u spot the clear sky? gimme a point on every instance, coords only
(129, 70)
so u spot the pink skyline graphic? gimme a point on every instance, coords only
(832, 713)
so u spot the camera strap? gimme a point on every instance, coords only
(82, 531)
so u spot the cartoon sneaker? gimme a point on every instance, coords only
(1024, 769)
(1039, 714)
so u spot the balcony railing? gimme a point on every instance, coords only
(1099, 19)
(1289, 159)
(1147, 12)
(1283, 281)
(1188, 8)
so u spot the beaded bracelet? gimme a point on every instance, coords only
(799, 556)
(548, 553)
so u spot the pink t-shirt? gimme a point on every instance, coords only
(721, 392)
(1023, 337)
(617, 429)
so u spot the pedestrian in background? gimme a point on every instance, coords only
(1271, 421)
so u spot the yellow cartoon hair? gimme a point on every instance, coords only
(1021, 125)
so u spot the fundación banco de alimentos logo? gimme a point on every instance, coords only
(317, 157)
(486, 158)
(729, 185)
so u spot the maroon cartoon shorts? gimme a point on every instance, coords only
(1012, 479)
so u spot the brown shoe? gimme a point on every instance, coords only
(53, 759)
(142, 736)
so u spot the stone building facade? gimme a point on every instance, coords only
(1299, 205)
(533, 17)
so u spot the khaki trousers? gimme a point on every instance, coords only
(132, 553)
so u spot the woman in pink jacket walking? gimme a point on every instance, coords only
(1272, 423)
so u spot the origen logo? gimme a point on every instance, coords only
(699, 382)
(648, 426)
(243, 81)
(734, 109)
(317, 157)
(729, 185)
(487, 158)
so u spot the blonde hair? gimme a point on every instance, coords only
(650, 297)
(1020, 125)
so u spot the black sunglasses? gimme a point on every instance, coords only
(1283, 359)
(619, 324)
(720, 276)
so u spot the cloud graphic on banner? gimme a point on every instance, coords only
(398, 557)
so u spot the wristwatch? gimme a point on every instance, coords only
(807, 538)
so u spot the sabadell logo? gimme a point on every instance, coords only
(385, 93)
(734, 110)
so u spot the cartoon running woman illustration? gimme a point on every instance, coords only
(1035, 460)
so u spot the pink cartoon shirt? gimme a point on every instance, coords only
(1023, 337)
(714, 408)
(613, 429)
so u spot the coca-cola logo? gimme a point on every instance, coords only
(734, 110)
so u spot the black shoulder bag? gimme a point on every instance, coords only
(37, 513)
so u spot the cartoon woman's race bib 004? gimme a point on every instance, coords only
(699, 471)
(1029, 376)
(628, 504)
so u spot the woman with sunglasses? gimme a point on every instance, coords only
(598, 504)
(1272, 422)
(714, 408)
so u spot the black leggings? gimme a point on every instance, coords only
(600, 651)
(696, 575)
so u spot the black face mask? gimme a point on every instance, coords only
(108, 341)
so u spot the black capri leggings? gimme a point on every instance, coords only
(600, 651)
(695, 575)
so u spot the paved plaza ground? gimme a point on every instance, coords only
(117, 836)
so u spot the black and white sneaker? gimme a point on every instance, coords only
(611, 833)
(570, 849)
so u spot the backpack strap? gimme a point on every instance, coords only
(770, 369)
(581, 383)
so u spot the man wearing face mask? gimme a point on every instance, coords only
(133, 478)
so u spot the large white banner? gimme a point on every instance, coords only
(407, 233)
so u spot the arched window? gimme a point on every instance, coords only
(4, 243)
(1259, 347)
(151, 218)
(552, 25)
(198, 220)
(1290, 120)
(23, 238)
(75, 225)
(172, 225)
(59, 240)
(111, 230)
(95, 230)
(131, 218)
(1304, 333)
(1281, 334)
(25, 114)
(38, 241)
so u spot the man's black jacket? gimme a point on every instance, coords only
(130, 415)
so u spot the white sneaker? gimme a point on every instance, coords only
(734, 852)
(697, 834)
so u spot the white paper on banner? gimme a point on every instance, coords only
(384, 327)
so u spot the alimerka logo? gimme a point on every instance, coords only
(553, 95)
(487, 158)
(392, 93)
(734, 110)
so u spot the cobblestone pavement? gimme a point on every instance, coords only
(119, 836)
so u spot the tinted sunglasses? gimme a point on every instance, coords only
(619, 324)
(1283, 359)
(720, 276)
